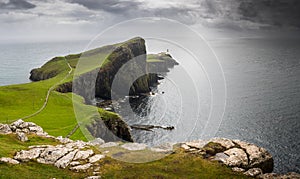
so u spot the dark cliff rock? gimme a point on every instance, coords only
(110, 129)
(129, 61)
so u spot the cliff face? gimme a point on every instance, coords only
(132, 57)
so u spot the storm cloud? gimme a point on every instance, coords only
(89, 16)
(16, 4)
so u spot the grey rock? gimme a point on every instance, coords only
(82, 155)
(65, 161)
(22, 136)
(74, 163)
(227, 143)
(258, 157)
(35, 129)
(253, 172)
(9, 160)
(63, 140)
(96, 158)
(93, 177)
(198, 144)
(5, 129)
(185, 147)
(51, 154)
(81, 168)
(237, 169)
(77, 144)
(220, 157)
(109, 144)
(26, 155)
(23, 125)
(17, 123)
(97, 141)
(134, 146)
(236, 158)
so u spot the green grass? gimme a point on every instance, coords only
(177, 165)
(58, 118)
(10, 144)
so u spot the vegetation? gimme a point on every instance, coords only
(58, 119)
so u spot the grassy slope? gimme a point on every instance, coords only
(17, 101)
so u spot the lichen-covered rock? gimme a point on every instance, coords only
(26, 155)
(81, 168)
(198, 144)
(51, 154)
(237, 169)
(253, 172)
(227, 143)
(258, 157)
(65, 160)
(9, 160)
(22, 136)
(96, 158)
(83, 154)
(5, 129)
(213, 148)
(236, 158)
(166, 148)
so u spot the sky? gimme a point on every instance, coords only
(50, 20)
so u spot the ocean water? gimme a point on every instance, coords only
(262, 104)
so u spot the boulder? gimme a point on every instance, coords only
(22, 136)
(96, 158)
(31, 154)
(74, 163)
(9, 160)
(258, 157)
(51, 154)
(253, 172)
(237, 169)
(198, 144)
(213, 148)
(5, 129)
(81, 168)
(83, 154)
(236, 158)
(227, 143)
(93, 177)
(65, 161)
(17, 123)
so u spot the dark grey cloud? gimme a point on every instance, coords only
(112, 6)
(16, 5)
(273, 12)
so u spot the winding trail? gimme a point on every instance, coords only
(48, 93)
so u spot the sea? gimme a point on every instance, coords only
(262, 97)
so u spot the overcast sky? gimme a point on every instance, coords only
(26, 20)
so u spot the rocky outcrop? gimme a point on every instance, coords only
(239, 155)
(110, 129)
(80, 156)
(9, 160)
(42, 73)
(21, 128)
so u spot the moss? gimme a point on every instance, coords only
(212, 148)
